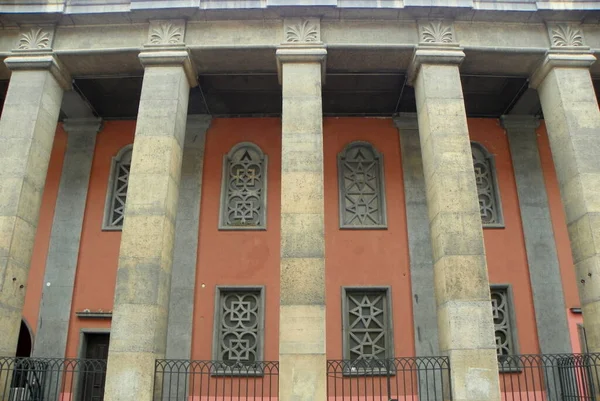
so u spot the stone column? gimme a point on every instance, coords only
(27, 130)
(139, 324)
(573, 123)
(464, 310)
(302, 374)
(63, 251)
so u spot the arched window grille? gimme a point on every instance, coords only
(361, 187)
(114, 212)
(243, 189)
(487, 186)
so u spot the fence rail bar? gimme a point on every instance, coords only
(402, 379)
(51, 379)
(550, 377)
(183, 380)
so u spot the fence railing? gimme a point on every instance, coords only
(49, 379)
(550, 377)
(179, 380)
(406, 379)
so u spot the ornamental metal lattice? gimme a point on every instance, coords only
(243, 204)
(362, 197)
(367, 321)
(239, 326)
(122, 166)
(486, 185)
(502, 327)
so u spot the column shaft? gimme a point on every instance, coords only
(302, 358)
(465, 325)
(27, 130)
(63, 251)
(573, 122)
(139, 324)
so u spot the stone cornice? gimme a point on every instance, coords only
(170, 56)
(301, 53)
(40, 61)
(447, 54)
(85, 126)
(519, 122)
(558, 59)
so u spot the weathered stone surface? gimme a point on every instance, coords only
(464, 311)
(302, 312)
(139, 324)
(61, 263)
(27, 130)
(540, 244)
(573, 121)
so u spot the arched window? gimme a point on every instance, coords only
(243, 189)
(114, 211)
(361, 187)
(487, 186)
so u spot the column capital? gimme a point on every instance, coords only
(301, 53)
(434, 53)
(31, 61)
(561, 58)
(85, 126)
(170, 56)
(406, 121)
(519, 122)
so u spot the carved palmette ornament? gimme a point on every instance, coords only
(302, 30)
(166, 33)
(437, 32)
(36, 38)
(566, 35)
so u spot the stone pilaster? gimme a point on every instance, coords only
(465, 325)
(573, 122)
(302, 357)
(183, 281)
(419, 239)
(540, 245)
(139, 324)
(27, 130)
(63, 251)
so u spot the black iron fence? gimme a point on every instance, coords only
(49, 379)
(406, 379)
(182, 380)
(550, 377)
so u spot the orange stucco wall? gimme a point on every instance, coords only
(353, 257)
(367, 257)
(237, 257)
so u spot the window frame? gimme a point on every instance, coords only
(341, 156)
(389, 332)
(515, 366)
(224, 188)
(110, 189)
(491, 162)
(216, 344)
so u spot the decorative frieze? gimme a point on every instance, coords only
(166, 33)
(298, 30)
(566, 35)
(436, 32)
(36, 38)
